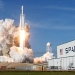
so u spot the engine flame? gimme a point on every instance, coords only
(22, 39)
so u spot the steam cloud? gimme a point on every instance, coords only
(21, 55)
(44, 58)
(9, 50)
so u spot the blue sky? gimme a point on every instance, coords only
(50, 21)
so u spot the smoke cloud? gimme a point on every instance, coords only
(44, 58)
(8, 52)
(21, 55)
(9, 45)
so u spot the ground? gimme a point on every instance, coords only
(35, 73)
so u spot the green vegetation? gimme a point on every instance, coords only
(34, 73)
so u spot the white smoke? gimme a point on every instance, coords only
(11, 54)
(6, 59)
(16, 54)
(44, 58)
(6, 29)
(48, 55)
(20, 55)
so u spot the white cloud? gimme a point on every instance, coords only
(64, 27)
(1, 4)
(60, 8)
(51, 27)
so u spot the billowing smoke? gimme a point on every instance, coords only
(44, 58)
(6, 59)
(9, 36)
(6, 33)
(9, 45)
(48, 55)
(21, 55)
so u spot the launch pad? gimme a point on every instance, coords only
(23, 66)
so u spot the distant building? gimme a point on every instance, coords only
(65, 57)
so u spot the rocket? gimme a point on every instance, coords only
(22, 19)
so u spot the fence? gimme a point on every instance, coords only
(64, 63)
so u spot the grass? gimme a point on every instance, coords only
(34, 73)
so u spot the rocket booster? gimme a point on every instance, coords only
(22, 18)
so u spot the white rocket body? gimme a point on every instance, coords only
(22, 20)
(22, 26)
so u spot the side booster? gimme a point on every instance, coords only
(22, 19)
